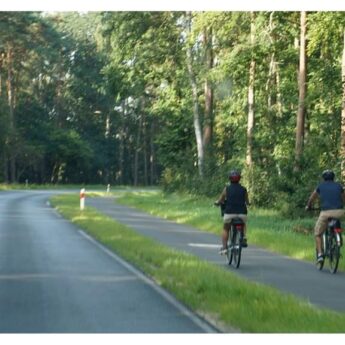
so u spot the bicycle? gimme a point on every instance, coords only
(235, 242)
(332, 242)
(235, 239)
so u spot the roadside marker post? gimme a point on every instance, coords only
(108, 188)
(82, 199)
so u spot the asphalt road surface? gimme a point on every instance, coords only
(289, 275)
(56, 279)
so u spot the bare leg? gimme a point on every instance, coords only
(225, 234)
(318, 242)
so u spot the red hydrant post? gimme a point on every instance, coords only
(82, 199)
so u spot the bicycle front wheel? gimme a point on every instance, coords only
(334, 255)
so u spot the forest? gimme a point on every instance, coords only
(175, 99)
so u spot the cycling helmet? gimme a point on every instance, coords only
(234, 176)
(328, 175)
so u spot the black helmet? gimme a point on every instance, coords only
(328, 175)
(234, 176)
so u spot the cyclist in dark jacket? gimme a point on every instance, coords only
(332, 199)
(235, 197)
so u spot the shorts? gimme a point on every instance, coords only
(321, 223)
(229, 217)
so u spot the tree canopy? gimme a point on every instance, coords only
(174, 98)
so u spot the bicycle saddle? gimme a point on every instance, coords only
(334, 222)
(237, 221)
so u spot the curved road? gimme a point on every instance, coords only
(55, 279)
(289, 275)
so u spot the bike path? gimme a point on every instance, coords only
(300, 278)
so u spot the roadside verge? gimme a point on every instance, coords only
(221, 297)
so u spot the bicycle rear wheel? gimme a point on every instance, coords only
(237, 249)
(334, 255)
(229, 253)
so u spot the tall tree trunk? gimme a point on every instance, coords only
(271, 69)
(196, 115)
(208, 118)
(2, 72)
(119, 177)
(302, 85)
(271, 83)
(251, 99)
(279, 95)
(137, 146)
(152, 154)
(145, 151)
(273, 89)
(5, 166)
(342, 149)
(10, 98)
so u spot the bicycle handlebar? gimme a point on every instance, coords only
(220, 204)
(312, 208)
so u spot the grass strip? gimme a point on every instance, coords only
(266, 229)
(230, 301)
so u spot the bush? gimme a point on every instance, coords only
(283, 188)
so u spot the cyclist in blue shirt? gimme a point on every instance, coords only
(332, 199)
(235, 198)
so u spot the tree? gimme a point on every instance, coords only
(208, 92)
(194, 88)
(251, 97)
(15, 33)
(302, 86)
(143, 97)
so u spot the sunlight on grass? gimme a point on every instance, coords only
(203, 286)
(80, 217)
(180, 262)
(302, 254)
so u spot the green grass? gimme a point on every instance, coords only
(230, 301)
(265, 227)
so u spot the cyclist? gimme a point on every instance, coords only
(332, 199)
(235, 198)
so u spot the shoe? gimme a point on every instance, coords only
(244, 242)
(320, 259)
(223, 251)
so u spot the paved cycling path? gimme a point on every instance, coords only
(293, 276)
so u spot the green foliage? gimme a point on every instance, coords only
(117, 84)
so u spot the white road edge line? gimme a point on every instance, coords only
(202, 324)
(204, 245)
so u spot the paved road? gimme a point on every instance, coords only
(289, 275)
(55, 279)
